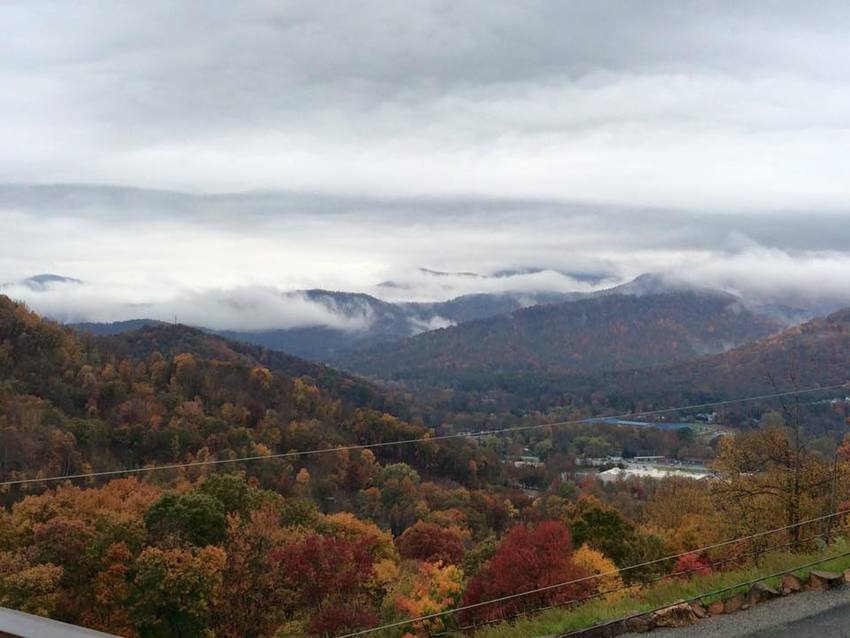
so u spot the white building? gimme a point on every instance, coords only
(645, 471)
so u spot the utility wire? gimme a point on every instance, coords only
(538, 590)
(424, 439)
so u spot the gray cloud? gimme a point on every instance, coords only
(676, 104)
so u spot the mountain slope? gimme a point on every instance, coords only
(390, 322)
(611, 332)
(384, 321)
(171, 340)
(816, 353)
(35, 352)
(332, 324)
(371, 321)
(375, 321)
(368, 320)
(484, 305)
(168, 393)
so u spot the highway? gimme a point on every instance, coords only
(833, 622)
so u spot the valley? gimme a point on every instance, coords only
(264, 446)
(424, 319)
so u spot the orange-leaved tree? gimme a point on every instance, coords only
(432, 588)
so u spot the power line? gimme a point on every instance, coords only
(615, 572)
(424, 439)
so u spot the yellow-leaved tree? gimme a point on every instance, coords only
(595, 563)
(430, 589)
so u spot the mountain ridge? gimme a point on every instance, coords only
(352, 322)
(604, 332)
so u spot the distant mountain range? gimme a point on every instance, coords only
(648, 342)
(591, 334)
(649, 361)
(386, 321)
(41, 282)
(520, 330)
(813, 354)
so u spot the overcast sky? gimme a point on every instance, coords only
(709, 138)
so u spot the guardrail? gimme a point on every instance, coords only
(17, 624)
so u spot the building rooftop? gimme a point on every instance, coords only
(643, 471)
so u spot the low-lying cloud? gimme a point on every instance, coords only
(243, 308)
(816, 280)
(229, 261)
(426, 285)
(812, 280)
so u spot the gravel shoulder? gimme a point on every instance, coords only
(821, 614)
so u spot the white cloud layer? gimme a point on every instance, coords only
(226, 262)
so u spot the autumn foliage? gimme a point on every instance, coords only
(430, 542)
(432, 589)
(609, 583)
(330, 575)
(323, 544)
(528, 559)
(690, 564)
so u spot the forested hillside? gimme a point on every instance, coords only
(171, 393)
(314, 543)
(612, 332)
(816, 353)
(322, 543)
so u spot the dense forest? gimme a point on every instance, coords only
(326, 543)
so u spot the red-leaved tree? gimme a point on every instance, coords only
(692, 565)
(329, 576)
(527, 559)
(430, 542)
